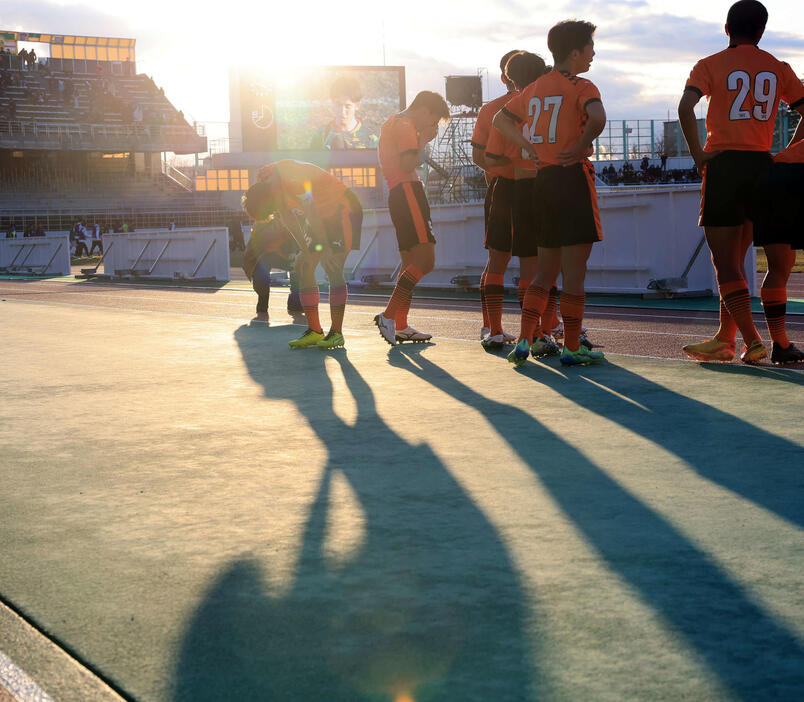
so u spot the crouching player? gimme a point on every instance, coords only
(401, 148)
(744, 85)
(325, 219)
(564, 115)
(778, 214)
(269, 246)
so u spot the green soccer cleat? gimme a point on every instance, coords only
(520, 353)
(307, 340)
(582, 357)
(333, 340)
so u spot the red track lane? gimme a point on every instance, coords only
(622, 330)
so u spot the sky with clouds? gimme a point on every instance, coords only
(645, 48)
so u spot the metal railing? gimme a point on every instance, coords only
(632, 139)
(88, 136)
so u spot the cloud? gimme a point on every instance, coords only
(54, 18)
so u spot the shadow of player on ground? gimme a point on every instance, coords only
(427, 606)
(755, 656)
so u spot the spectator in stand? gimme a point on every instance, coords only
(32, 58)
(644, 165)
(172, 226)
(664, 161)
(80, 240)
(23, 56)
(97, 242)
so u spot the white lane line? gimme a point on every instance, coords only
(362, 332)
(19, 684)
(508, 308)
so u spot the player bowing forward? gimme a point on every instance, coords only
(564, 115)
(402, 141)
(325, 219)
(744, 85)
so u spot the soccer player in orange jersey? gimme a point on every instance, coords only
(520, 237)
(402, 141)
(325, 219)
(778, 213)
(564, 115)
(744, 85)
(497, 215)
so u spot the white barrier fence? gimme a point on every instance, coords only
(36, 255)
(193, 253)
(649, 233)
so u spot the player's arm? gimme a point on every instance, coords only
(689, 127)
(412, 158)
(478, 157)
(798, 135)
(513, 132)
(595, 124)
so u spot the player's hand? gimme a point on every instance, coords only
(702, 158)
(575, 154)
(530, 153)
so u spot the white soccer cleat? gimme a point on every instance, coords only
(509, 338)
(387, 328)
(484, 332)
(411, 334)
(493, 342)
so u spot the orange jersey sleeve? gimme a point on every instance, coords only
(499, 145)
(744, 85)
(397, 137)
(484, 130)
(792, 154)
(554, 110)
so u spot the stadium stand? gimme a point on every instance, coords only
(82, 137)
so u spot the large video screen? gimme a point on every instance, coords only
(323, 108)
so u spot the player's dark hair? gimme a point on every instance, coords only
(524, 67)
(746, 19)
(503, 63)
(431, 101)
(566, 36)
(346, 86)
(260, 201)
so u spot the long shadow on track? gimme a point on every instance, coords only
(428, 606)
(752, 654)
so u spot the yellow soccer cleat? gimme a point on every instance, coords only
(307, 340)
(710, 350)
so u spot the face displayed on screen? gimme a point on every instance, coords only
(345, 113)
(322, 108)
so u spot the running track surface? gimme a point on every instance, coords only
(654, 333)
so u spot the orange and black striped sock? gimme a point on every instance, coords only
(532, 309)
(549, 319)
(338, 295)
(572, 315)
(738, 302)
(399, 304)
(483, 306)
(309, 299)
(728, 329)
(495, 290)
(774, 302)
(524, 284)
